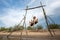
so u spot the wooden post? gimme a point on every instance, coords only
(46, 20)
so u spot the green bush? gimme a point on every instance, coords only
(3, 29)
(54, 26)
(29, 28)
(39, 27)
(10, 29)
(17, 28)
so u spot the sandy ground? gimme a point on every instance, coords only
(30, 36)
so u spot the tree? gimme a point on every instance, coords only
(10, 29)
(54, 26)
(29, 28)
(3, 29)
(21, 28)
(39, 27)
(17, 28)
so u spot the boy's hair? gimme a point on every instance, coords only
(34, 17)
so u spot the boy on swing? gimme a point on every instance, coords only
(34, 21)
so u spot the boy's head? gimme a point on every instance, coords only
(34, 17)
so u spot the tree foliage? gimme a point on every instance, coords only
(54, 26)
(10, 29)
(3, 29)
(17, 28)
(39, 27)
(29, 28)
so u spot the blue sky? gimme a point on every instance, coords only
(11, 11)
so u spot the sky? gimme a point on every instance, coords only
(11, 11)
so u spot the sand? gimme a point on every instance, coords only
(30, 35)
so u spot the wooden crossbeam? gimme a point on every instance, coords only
(34, 7)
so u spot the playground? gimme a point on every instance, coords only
(42, 34)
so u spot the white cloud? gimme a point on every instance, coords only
(51, 6)
(14, 16)
(31, 2)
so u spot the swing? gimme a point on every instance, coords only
(34, 21)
